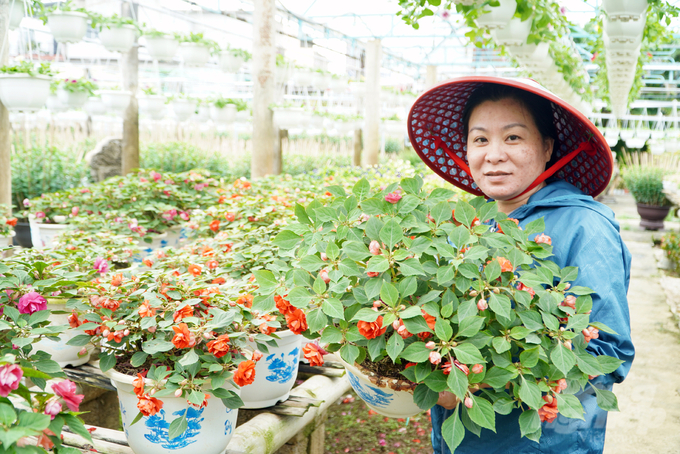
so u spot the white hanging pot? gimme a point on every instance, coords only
(152, 105)
(635, 142)
(161, 48)
(226, 114)
(63, 354)
(514, 34)
(23, 91)
(626, 32)
(658, 134)
(275, 372)
(229, 62)
(16, 14)
(67, 26)
(467, 2)
(72, 100)
(289, 118)
(203, 113)
(624, 10)
(532, 53)
(497, 16)
(209, 428)
(94, 106)
(116, 101)
(194, 54)
(183, 108)
(302, 77)
(621, 46)
(380, 395)
(54, 105)
(657, 147)
(118, 39)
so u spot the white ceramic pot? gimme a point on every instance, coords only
(497, 16)
(635, 142)
(158, 241)
(64, 355)
(116, 100)
(658, 134)
(161, 48)
(229, 62)
(194, 54)
(42, 235)
(152, 105)
(203, 113)
(175, 234)
(624, 10)
(94, 106)
(72, 100)
(657, 147)
(303, 77)
(627, 134)
(16, 14)
(226, 114)
(54, 105)
(24, 92)
(379, 396)
(183, 108)
(67, 26)
(513, 34)
(5, 242)
(118, 39)
(289, 118)
(209, 429)
(275, 373)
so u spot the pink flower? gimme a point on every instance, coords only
(324, 275)
(435, 357)
(74, 211)
(569, 301)
(200, 186)
(468, 402)
(393, 197)
(31, 302)
(591, 333)
(477, 369)
(184, 215)
(10, 376)
(156, 176)
(482, 305)
(542, 238)
(27, 203)
(374, 248)
(143, 180)
(67, 390)
(39, 215)
(430, 345)
(101, 265)
(53, 408)
(85, 190)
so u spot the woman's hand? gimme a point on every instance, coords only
(447, 400)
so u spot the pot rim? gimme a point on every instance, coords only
(190, 44)
(25, 76)
(118, 27)
(128, 379)
(67, 13)
(382, 382)
(653, 206)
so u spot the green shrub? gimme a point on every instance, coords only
(393, 145)
(670, 243)
(646, 185)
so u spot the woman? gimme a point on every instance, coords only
(536, 156)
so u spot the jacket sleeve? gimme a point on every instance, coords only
(594, 245)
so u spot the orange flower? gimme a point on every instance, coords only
(312, 354)
(500, 230)
(115, 336)
(230, 216)
(147, 262)
(296, 321)
(228, 246)
(194, 270)
(506, 265)
(245, 374)
(138, 383)
(145, 310)
(183, 312)
(110, 304)
(12, 222)
(207, 251)
(548, 412)
(73, 320)
(220, 346)
(215, 225)
(246, 300)
(430, 320)
(117, 279)
(212, 264)
(148, 405)
(218, 281)
(371, 330)
(264, 328)
(183, 337)
(283, 305)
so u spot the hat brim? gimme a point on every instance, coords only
(437, 114)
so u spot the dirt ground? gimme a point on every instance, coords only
(649, 398)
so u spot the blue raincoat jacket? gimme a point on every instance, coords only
(584, 234)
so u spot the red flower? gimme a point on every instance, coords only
(264, 327)
(296, 321)
(12, 222)
(371, 330)
(183, 337)
(218, 281)
(283, 305)
(312, 354)
(372, 273)
(145, 310)
(506, 265)
(212, 264)
(230, 216)
(393, 197)
(148, 405)
(245, 374)
(215, 225)
(117, 279)
(185, 311)
(548, 412)
(220, 346)
(194, 270)
(246, 300)
(138, 384)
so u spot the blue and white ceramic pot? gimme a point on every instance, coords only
(158, 241)
(275, 373)
(209, 428)
(63, 354)
(387, 396)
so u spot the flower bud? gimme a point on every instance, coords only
(126, 332)
(567, 285)
(468, 402)
(324, 257)
(567, 344)
(106, 332)
(431, 345)
(152, 329)
(482, 305)
(396, 324)
(377, 303)
(152, 392)
(435, 357)
(82, 352)
(178, 393)
(477, 369)
(474, 293)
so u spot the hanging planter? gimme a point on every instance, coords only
(94, 106)
(183, 108)
(303, 77)
(209, 428)
(161, 47)
(497, 16)
(16, 14)
(72, 99)
(289, 117)
(194, 54)
(514, 34)
(118, 39)
(226, 114)
(63, 354)
(621, 46)
(624, 10)
(54, 105)
(24, 92)
(116, 101)
(275, 373)
(230, 62)
(626, 32)
(387, 396)
(203, 113)
(67, 26)
(152, 105)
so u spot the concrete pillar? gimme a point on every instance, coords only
(264, 88)
(130, 69)
(5, 133)
(430, 76)
(372, 103)
(358, 146)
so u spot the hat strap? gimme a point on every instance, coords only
(583, 146)
(439, 143)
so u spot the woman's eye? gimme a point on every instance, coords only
(480, 140)
(513, 137)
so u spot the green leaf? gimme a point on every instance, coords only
(569, 406)
(563, 358)
(408, 204)
(316, 320)
(189, 358)
(266, 280)
(443, 330)
(445, 274)
(500, 304)
(457, 382)
(156, 346)
(286, 240)
(492, 271)
(606, 400)
(608, 363)
(302, 214)
(333, 308)
(395, 345)
(106, 361)
(349, 353)
(529, 422)
(178, 426)
(389, 294)
(416, 352)
(529, 358)
(378, 263)
(349, 268)
(470, 326)
(373, 206)
(441, 212)
(408, 286)
(391, 233)
(355, 250)
(35, 421)
(482, 413)
(530, 393)
(500, 344)
(7, 415)
(503, 406)
(309, 263)
(361, 189)
(138, 359)
(603, 327)
(497, 377)
(468, 354)
(424, 397)
(453, 430)
(587, 363)
(319, 285)
(299, 297)
(411, 267)
(464, 213)
(331, 335)
(79, 341)
(76, 425)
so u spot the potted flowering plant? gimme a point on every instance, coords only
(25, 85)
(160, 45)
(67, 23)
(232, 58)
(74, 93)
(195, 49)
(176, 349)
(115, 99)
(182, 106)
(6, 227)
(117, 34)
(151, 103)
(400, 277)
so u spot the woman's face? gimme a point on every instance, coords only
(505, 150)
